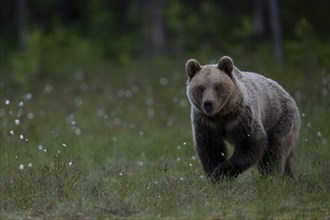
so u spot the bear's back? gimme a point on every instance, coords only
(265, 97)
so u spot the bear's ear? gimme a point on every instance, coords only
(226, 65)
(192, 67)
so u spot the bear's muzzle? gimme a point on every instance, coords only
(208, 107)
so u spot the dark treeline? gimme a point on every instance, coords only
(124, 28)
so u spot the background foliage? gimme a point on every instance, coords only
(95, 120)
(41, 32)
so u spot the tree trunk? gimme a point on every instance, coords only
(259, 21)
(275, 26)
(20, 18)
(158, 38)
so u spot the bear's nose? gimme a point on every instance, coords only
(208, 107)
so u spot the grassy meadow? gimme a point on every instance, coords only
(114, 142)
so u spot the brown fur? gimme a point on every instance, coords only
(251, 112)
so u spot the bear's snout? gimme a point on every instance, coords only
(208, 107)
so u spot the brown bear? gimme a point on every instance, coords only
(251, 112)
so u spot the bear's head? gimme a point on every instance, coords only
(210, 87)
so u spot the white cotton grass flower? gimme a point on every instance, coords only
(151, 112)
(30, 165)
(183, 103)
(70, 163)
(30, 115)
(21, 136)
(11, 132)
(64, 145)
(163, 81)
(48, 88)
(128, 93)
(21, 167)
(40, 147)
(17, 122)
(28, 96)
(169, 123)
(78, 101)
(77, 131)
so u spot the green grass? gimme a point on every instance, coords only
(116, 143)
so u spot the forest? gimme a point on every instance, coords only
(124, 30)
(95, 121)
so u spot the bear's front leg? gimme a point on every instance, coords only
(231, 168)
(209, 145)
(211, 154)
(250, 144)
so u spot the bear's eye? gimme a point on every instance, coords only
(217, 88)
(200, 89)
